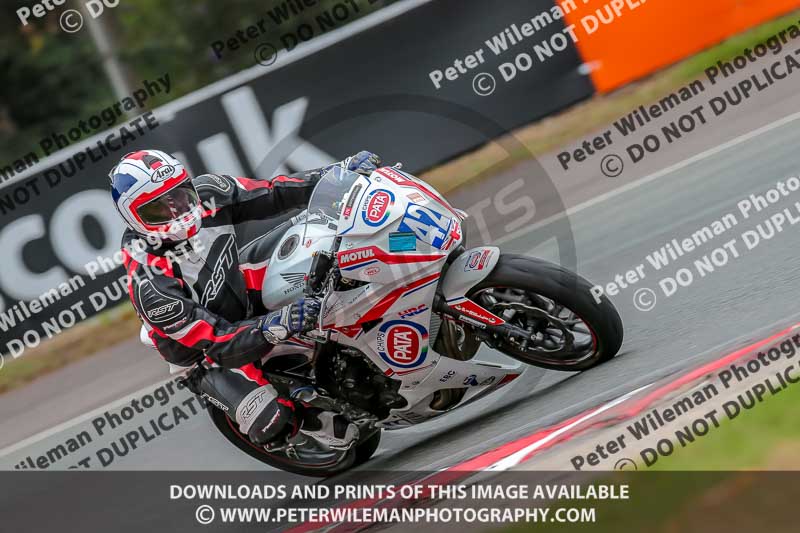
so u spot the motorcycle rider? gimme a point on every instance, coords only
(199, 301)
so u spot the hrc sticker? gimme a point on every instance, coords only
(403, 344)
(376, 207)
(413, 311)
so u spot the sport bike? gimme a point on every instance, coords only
(405, 308)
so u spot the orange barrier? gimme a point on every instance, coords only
(625, 40)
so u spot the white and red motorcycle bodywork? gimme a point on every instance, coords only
(392, 235)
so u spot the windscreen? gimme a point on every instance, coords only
(327, 200)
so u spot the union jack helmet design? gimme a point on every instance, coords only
(154, 194)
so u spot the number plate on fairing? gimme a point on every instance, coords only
(427, 225)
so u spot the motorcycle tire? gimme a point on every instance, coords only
(359, 454)
(567, 289)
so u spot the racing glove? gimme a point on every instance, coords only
(295, 318)
(363, 162)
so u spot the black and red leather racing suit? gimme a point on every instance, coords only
(199, 299)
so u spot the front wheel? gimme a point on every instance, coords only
(568, 330)
(357, 455)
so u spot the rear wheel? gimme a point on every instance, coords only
(568, 330)
(358, 454)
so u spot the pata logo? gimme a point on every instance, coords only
(376, 208)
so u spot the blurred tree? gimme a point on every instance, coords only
(176, 37)
(52, 79)
(49, 79)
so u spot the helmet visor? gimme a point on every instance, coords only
(170, 206)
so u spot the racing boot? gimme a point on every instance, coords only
(332, 430)
(248, 399)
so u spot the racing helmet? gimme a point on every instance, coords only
(155, 196)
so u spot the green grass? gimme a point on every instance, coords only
(696, 489)
(748, 442)
(82, 341)
(730, 48)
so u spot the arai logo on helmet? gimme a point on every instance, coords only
(162, 173)
(376, 207)
(402, 343)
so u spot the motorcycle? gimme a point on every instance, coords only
(405, 308)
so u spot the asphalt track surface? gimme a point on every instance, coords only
(615, 223)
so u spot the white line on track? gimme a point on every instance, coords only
(517, 457)
(652, 177)
(651, 377)
(78, 420)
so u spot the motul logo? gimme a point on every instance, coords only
(356, 256)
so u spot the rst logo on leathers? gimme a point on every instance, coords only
(219, 183)
(225, 262)
(157, 306)
(163, 310)
(403, 344)
(376, 207)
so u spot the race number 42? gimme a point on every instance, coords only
(428, 225)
